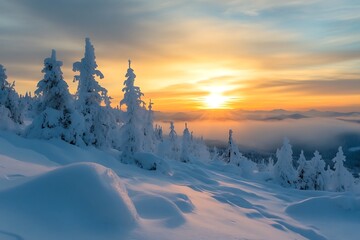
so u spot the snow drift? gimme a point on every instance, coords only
(77, 199)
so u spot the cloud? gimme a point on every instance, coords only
(311, 87)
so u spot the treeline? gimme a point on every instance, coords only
(87, 119)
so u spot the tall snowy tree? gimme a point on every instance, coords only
(185, 155)
(90, 95)
(342, 178)
(10, 106)
(284, 171)
(132, 130)
(57, 117)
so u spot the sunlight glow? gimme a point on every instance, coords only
(215, 100)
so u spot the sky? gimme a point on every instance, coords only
(196, 54)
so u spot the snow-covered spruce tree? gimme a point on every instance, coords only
(284, 172)
(10, 106)
(28, 104)
(89, 97)
(185, 155)
(342, 179)
(57, 117)
(132, 130)
(304, 168)
(317, 175)
(149, 134)
(159, 133)
(173, 150)
(231, 153)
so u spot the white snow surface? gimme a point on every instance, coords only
(53, 190)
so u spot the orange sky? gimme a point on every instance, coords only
(191, 55)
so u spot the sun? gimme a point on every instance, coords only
(215, 101)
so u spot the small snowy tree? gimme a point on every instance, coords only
(303, 170)
(57, 117)
(231, 153)
(342, 178)
(132, 134)
(159, 133)
(149, 134)
(185, 155)
(90, 95)
(316, 177)
(284, 171)
(10, 106)
(170, 148)
(199, 149)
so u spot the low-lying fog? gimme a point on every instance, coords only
(325, 134)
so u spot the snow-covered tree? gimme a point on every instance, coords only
(231, 153)
(57, 117)
(10, 106)
(89, 96)
(199, 149)
(342, 179)
(132, 130)
(185, 155)
(284, 171)
(28, 103)
(304, 168)
(174, 148)
(149, 134)
(317, 176)
(159, 133)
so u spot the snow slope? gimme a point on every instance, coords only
(52, 190)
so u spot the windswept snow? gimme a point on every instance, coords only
(53, 190)
(84, 200)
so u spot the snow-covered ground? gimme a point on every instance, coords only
(53, 190)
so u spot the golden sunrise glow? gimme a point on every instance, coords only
(207, 63)
(215, 100)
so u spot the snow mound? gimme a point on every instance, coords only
(335, 216)
(71, 201)
(151, 162)
(156, 207)
(346, 207)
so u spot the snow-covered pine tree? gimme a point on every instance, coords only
(343, 180)
(185, 155)
(10, 106)
(284, 171)
(89, 96)
(231, 153)
(132, 129)
(233, 156)
(149, 134)
(159, 133)
(304, 168)
(57, 117)
(316, 177)
(28, 105)
(199, 150)
(174, 149)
